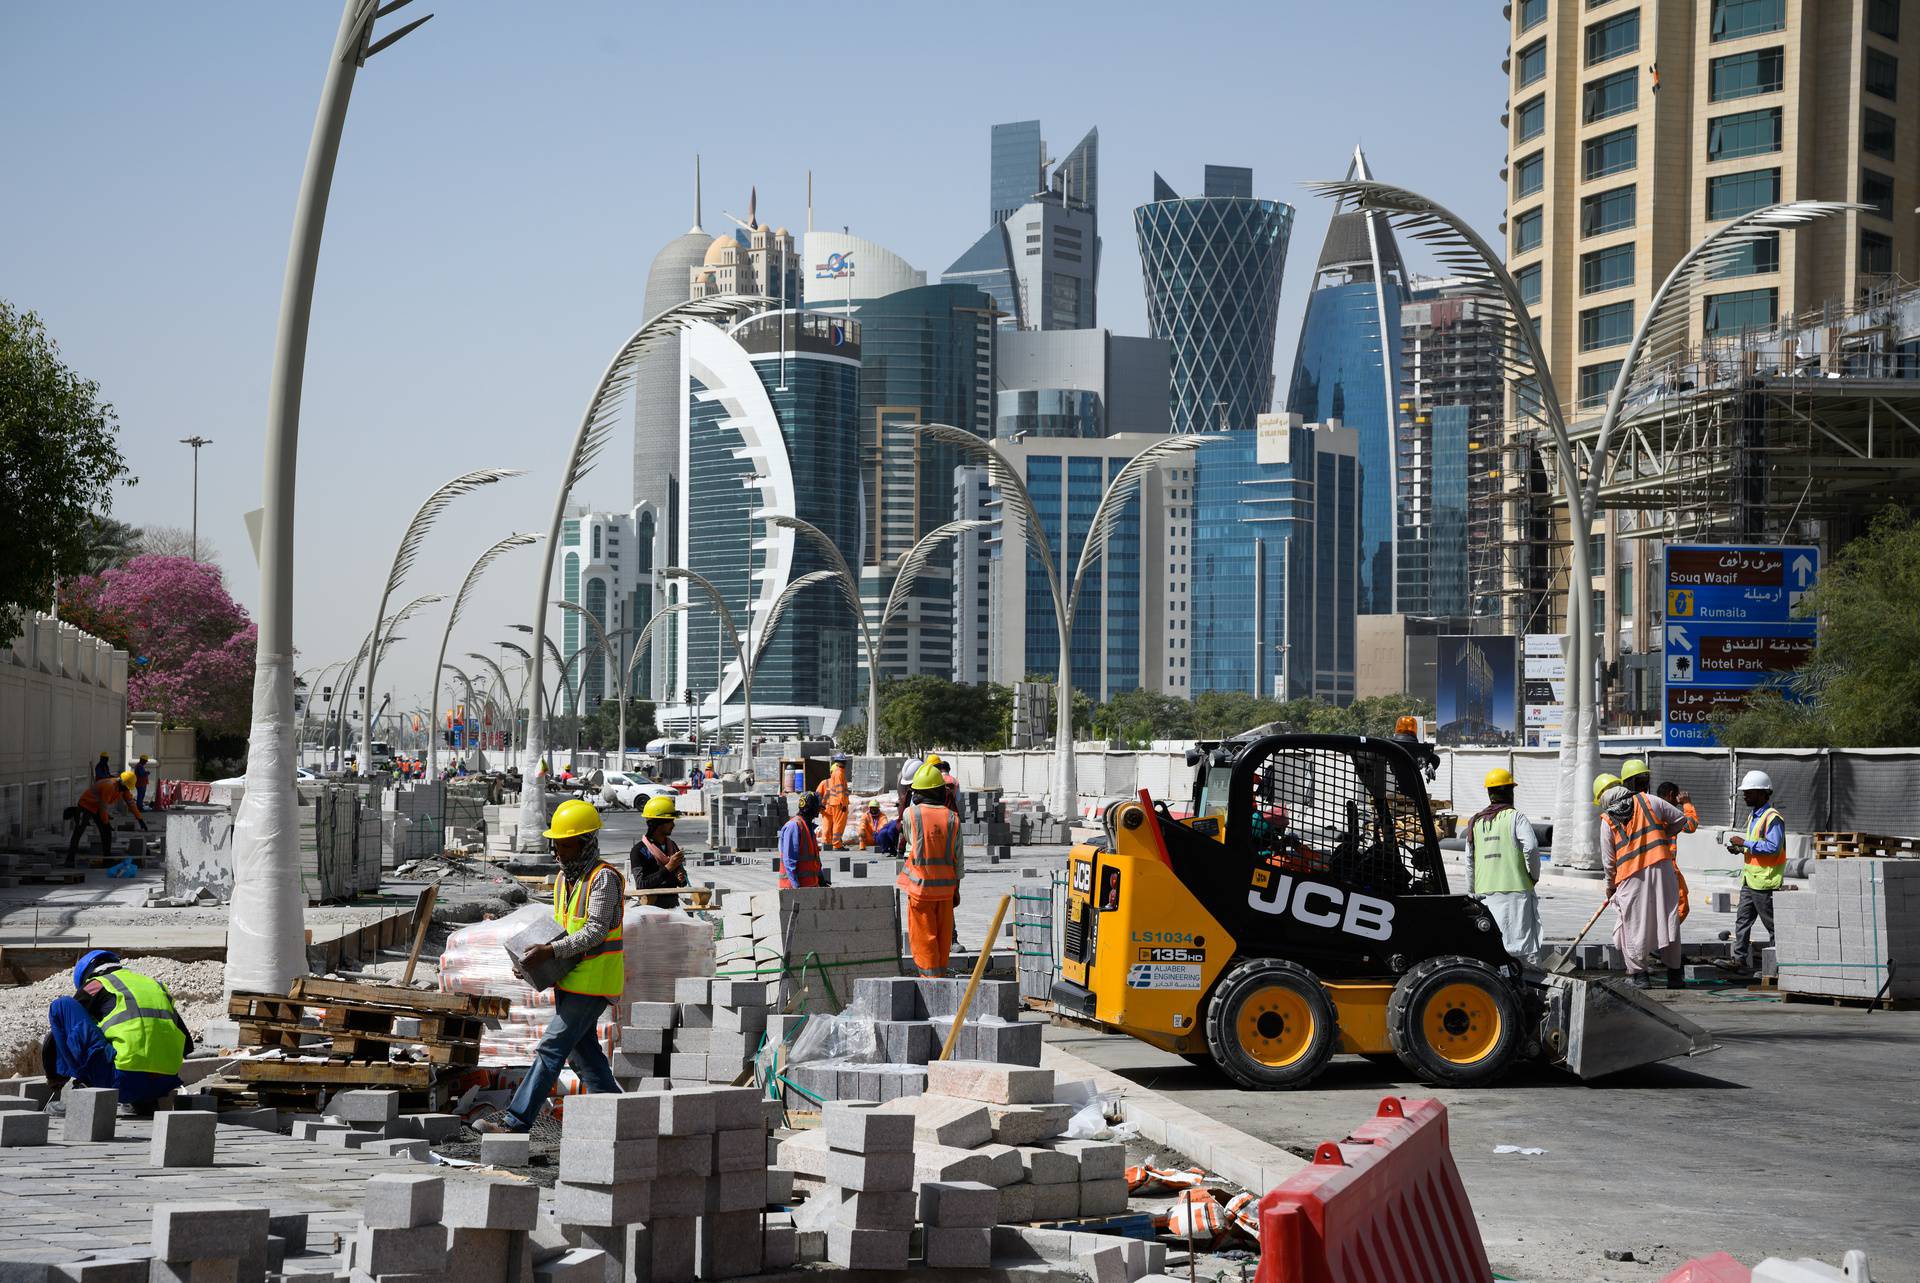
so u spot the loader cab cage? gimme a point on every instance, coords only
(1350, 809)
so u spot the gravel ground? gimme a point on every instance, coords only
(195, 986)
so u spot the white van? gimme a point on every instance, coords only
(673, 748)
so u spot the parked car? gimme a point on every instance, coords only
(631, 791)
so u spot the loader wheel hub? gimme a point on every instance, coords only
(1462, 1024)
(1275, 1026)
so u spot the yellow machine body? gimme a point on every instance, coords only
(1156, 951)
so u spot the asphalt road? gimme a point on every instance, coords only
(1798, 1137)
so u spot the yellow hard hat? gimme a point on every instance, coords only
(1601, 783)
(573, 818)
(927, 778)
(128, 778)
(1632, 769)
(1498, 777)
(659, 808)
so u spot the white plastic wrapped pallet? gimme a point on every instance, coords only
(659, 947)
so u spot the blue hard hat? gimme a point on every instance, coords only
(88, 961)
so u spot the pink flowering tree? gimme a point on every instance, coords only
(189, 644)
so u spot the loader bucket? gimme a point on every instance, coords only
(1602, 1026)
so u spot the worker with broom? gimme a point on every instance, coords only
(589, 898)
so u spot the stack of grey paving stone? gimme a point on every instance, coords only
(708, 1034)
(911, 1018)
(1857, 935)
(848, 931)
(868, 1166)
(1103, 1258)
(371, 1120)
(998, 1126)
(212, 1243)
(1033, 934)
(669, 1185)
(415, 1228)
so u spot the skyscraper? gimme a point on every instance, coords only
(770, 426)
(1019, 172)
(1212, 268)
(1040, 255)
(598, 558)
(1348, 368)
(1079, 383)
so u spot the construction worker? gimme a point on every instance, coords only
(931, 873)
(1643, 880)
(1503, 866)
(869, 825)
(95, 804)
(589, 898)
(800, 847)
(142, 772)
(1673, 795)
(1762, 845)
(834, 797)
(656, 859)
(118, 1030)
(1601, 783)
(102, 767)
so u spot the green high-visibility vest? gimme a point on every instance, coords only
(141, 1026)
(1498, 862)
(602, 972)
(1764, 872)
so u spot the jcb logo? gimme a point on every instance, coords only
(1319, 905)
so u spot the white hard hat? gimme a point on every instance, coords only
(1756, 780)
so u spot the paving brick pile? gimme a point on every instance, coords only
(810, 944)
(708, 1034)
(1860, 926)
(907, 1020)
(1033, 938)
(985, 1124)
(416, 1228)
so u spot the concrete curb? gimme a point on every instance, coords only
(1247, 1161)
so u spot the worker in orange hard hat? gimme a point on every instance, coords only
(834, 799)
(95, 804)
(932, 870)
(1503, 866)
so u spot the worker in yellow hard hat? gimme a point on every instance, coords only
(656, 859)
(1635, 775)
(930, 874)
(589, 904)
(95, 805)
(1601, 783)
(1503, 866)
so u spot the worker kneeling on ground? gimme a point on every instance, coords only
(588, 902)
(96, 804)
(931, 873)
(1643, 876)
(1503, 863)
(800, 848)
(869, 825)
(656, 859)
(118, 1030)
(1762, 846)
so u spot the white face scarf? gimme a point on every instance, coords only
(1618, 803)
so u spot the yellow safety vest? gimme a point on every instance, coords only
(141, 1026)
(602, 972)
(1499, 865)
(1764, 872)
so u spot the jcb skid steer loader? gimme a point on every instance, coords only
(1302, 911)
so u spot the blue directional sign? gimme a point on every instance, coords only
(1731, 627)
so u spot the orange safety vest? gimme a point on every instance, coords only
(932, 868)
(834, 792)
(102, 794)
(866, 828)
(1644, 844)
(807, 865)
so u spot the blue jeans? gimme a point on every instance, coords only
(76, 1049)
(569, 1039)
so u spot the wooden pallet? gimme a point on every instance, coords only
(315, 990)
(448, 1028)
(1839, 846)
(1837, 1000)
(1764, 984)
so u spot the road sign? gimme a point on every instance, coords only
(1731, 627)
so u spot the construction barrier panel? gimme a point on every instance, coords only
(1383, 1206)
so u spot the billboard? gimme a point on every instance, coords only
(1477, 682)
(1543, 689)
(1273, 443)
(1730, 629)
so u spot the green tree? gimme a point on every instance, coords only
(602, 726)
(62, 457)
(1137, 717)
(922, 713)
(1861, 689)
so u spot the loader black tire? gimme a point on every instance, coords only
(1270, 1026)
(1454, 1022)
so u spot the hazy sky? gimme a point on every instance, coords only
(509, 171)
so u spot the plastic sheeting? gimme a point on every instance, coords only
(266, 933)
(660, 946)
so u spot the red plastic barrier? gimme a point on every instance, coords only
(1718, 1268)
(172, 792)
(1383, 1206)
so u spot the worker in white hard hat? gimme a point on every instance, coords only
(1762, 845)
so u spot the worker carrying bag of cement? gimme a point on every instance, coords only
(588, 900)
(118, 1030)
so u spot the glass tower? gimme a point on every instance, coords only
(1348, 368)
(1212, 268)
(1066, 491)
(1019, 168)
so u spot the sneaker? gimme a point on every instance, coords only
(1639, 980)
(55, 1108)
(499, 1124)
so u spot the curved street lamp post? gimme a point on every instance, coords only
(474, 572)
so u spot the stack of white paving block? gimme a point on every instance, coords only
(999, 1126)
(868, 1167)
(911, 1020)
(669, 1185)
(708, 1034)
(1860, 926)
(847, 931)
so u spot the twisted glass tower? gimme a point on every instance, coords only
(1211, 267)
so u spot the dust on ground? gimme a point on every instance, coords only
(197, 989)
